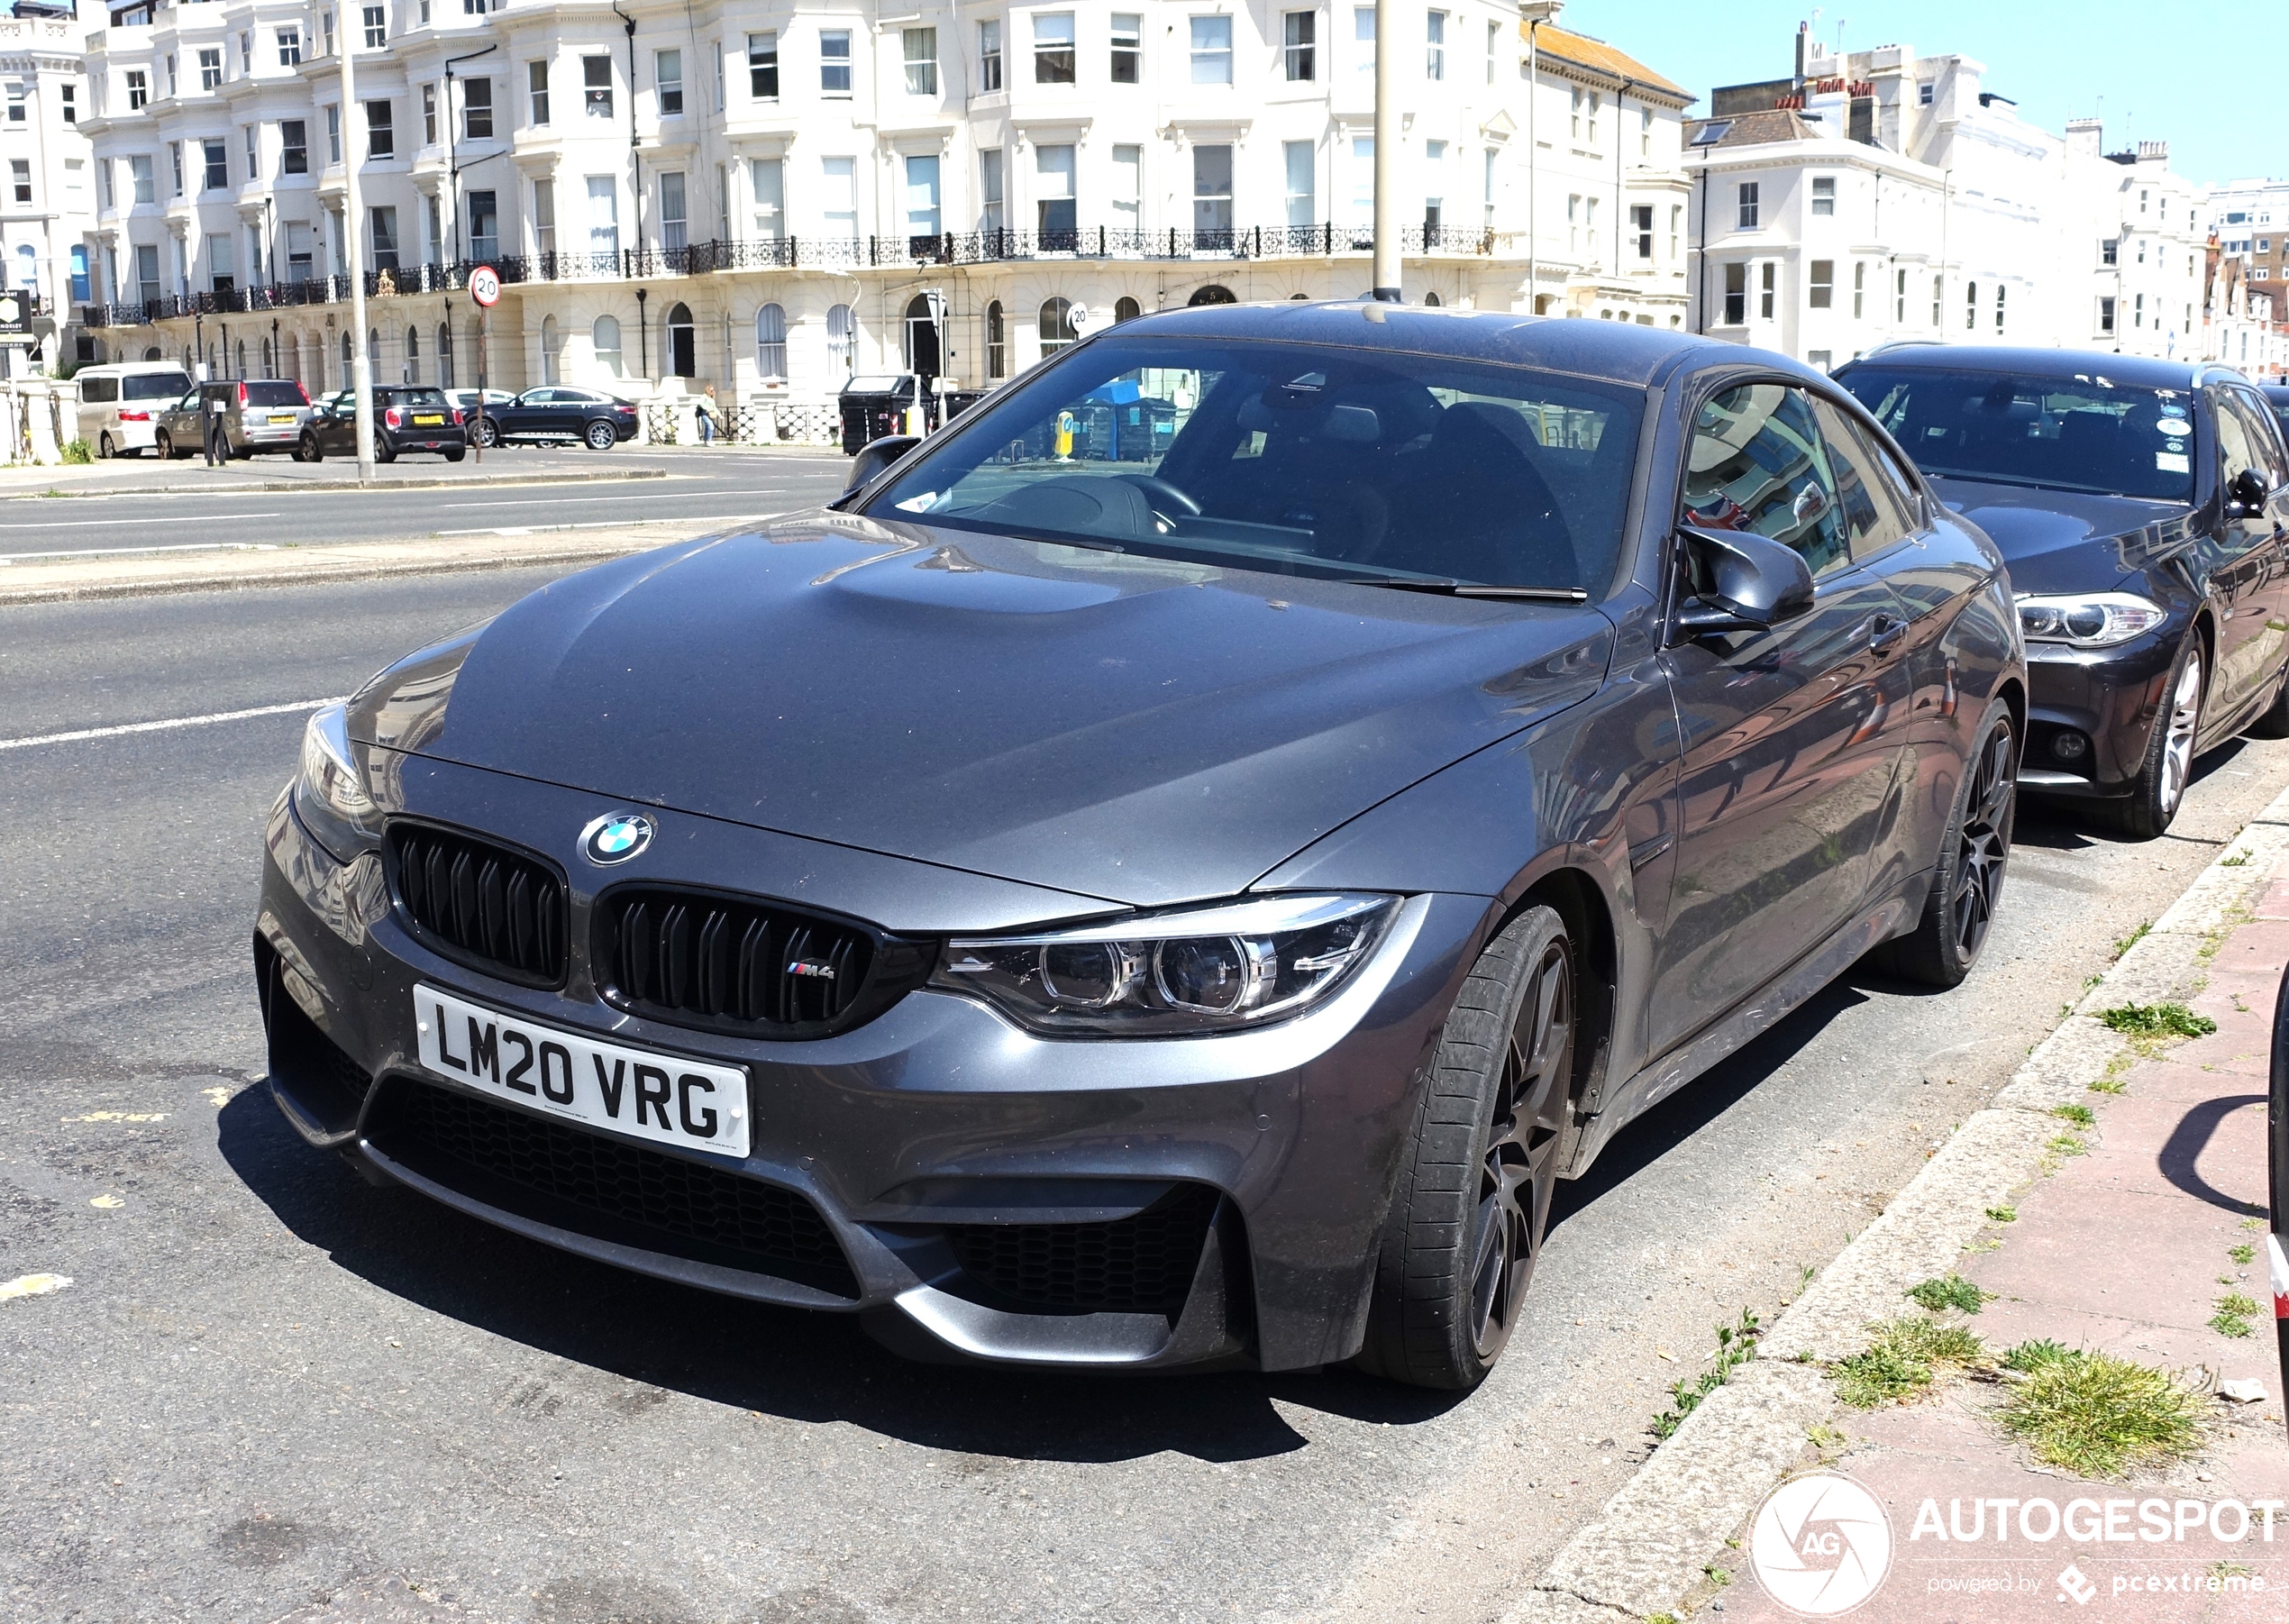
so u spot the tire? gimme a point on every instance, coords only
(383, 450)
(601, 436)
(164, 442)
(1480, 1166)
(455, 456)
(105, 450)
(308, 450)
(2159, 789)
(1967, 875)
(487, 436)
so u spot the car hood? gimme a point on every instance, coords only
(2065, 540)
(1131, 728)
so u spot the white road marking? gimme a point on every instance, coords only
(558, 501)
(79, 734)
(205, 518)
(17, 558)
(679, 518)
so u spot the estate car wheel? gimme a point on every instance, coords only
(165, 442)
(602, 437)
(307, 449)
(1478, 1169)
(2160, 789)
(1966, 880)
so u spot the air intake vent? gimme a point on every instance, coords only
(742, 965)
(489, 907)
(1140, 1264)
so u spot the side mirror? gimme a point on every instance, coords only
(873, 458)
(2246, 491)
(1751, 582)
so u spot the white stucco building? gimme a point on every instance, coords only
(757, 196)
(48, 209)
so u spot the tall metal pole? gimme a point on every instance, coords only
(1387, 52)
(1535, 12)
(361, 376)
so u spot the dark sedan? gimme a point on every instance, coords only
(2278, 400)
(574, 416)
(1173, 869)
(2143, 509)
(407, 417)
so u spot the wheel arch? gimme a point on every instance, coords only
(1581, 903)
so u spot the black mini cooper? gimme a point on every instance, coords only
(2142, 507)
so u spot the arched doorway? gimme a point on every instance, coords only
(1432, 300)
(683, 348)
(922, 348)
(1125, 309)
(1213, 294)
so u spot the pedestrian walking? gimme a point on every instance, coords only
(705, 409)
(218, 443)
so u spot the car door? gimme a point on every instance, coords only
(2266, 534)
(515, 419)
(1793, 737)
(2243, 559)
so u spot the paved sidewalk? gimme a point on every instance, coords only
(2128, 1249)
(145, 477)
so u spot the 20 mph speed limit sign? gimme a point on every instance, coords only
(484, 286)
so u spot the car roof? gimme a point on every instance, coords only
(1622, 351)
(2141, 370)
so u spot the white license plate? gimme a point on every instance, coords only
(643, 1093)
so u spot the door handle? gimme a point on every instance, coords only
(1885, 632)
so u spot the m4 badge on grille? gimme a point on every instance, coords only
(812, 968)
(616, 838)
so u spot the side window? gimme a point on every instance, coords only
(2266, 448)
(2237, 449)
(1873, 513)
(1757, 463)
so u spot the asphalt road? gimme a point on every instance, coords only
(273, 1390)
(701, 487)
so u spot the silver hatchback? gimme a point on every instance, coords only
(259, 415)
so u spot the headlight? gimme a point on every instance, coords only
(1215, 969)
(329, 792)
(2089, 620)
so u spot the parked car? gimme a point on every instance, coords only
(1161, 899)
(2143, 508)
(119, 404)
(575, 416)
(2277, 398)
(259, 415)
(407, 417)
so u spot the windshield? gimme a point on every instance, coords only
(153, 386)
(1333, 462)
(2079, 432)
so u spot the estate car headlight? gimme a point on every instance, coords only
(1232, 966)
(330, 792)
(2088, 620)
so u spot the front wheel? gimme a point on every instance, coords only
(383, 450)
(2153, 802)
(456, 454)
(487, 435)
(1478, 1169)
(1966, 881)
(307, 449)
(602, 437)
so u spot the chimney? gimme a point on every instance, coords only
(2086, 137)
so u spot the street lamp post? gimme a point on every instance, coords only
(1535, 12)
(1386, 273)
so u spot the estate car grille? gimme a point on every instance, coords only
(608, 1188)
(1139, 1265)
(742, 965)
(493, 909)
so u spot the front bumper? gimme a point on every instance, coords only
(933, 1136)
(2108, 696)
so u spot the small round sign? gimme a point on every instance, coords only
(1080, 318)
(484, 286)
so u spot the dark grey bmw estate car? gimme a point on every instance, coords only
(1175, 867)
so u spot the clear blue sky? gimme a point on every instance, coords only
(2211, 79)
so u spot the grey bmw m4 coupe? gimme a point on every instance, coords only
(1173, 868)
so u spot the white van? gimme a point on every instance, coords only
(119, 404)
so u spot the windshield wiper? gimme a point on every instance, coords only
(1455, 588)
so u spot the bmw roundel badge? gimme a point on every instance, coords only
(616, 838)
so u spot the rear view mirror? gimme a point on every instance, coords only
(1748, 582)
(873, 458)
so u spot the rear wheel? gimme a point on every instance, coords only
(487, 435)
(2153, 802)
(104, 447)
(1966, 881)
(456, 454)
(307, 449)
(166, 443)
(602, 437)
(1466, 1220)
(383, 450)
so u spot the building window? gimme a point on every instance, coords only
(923, 217)
(1299, 33)
(1434, 45)
(1900, 300)
(596, 86)
(2000, 291)
(840, 199)
(484, 226)
(1735, 294)
(997, 342)
(990, 56)
(1053, 205)
(1822, 359)
(1859, 288)
(210, 69)
(376, 23)
(989, 214)
(1128, 188)
(1676, 230)
(1211, 50)
(1923, 93)
(2109, 252)
(290, 46)
(1493, 48)
(763, 67)
(1212, 196)
(1641, 226)
(667, 82)
(1128, 48)
(604, 221)
(1434, 188)
(768, 178)
(1823, 285)
(69, 95)
(333, 132)
(429, 115)
(1969, 305)
(1746, 213)
(921, 62)
(1303, 167)
(175, 164)
(1939, 297)
(217, 159)
(675, 224)
(294, 147)
(1644, 137)
(1824, 194)
(834, 62)
(544, 216)
(477, 109)
(1056, 325)
(138, 92)
(1765, 276)
(770, 344)
(1362, 33)
(1054, 47)
(381, 140)
(382, 224)
(841, 342)
(536, 87)
(603, 340)
(20, 178)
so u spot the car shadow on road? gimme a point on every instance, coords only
(2059, 824)
(778, 1362)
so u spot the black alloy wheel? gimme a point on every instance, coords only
(1457, 1255)
(602, 437)
(488, 433)
(1975, 848)
(308, 450)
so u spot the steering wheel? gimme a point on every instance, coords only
(1166, 501)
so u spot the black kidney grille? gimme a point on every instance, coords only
(1140, 1264)
(485, 904)
(683, 954)
(616, 1191)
